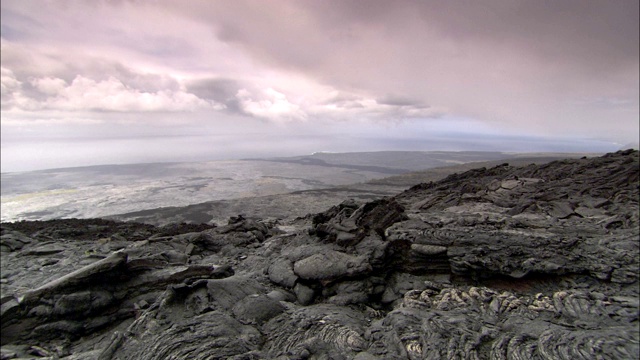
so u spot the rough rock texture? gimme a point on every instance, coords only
(534, 262)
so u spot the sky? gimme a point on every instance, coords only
(109, 82)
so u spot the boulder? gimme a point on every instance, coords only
(304, 294)
(281, 273)
(331, 265)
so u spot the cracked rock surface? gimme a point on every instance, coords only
(533, 262)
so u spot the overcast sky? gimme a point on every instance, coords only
(93, 82)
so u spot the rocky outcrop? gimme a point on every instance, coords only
(534, 262)
(535, 220)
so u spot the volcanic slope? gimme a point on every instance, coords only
(533, 262)
(300, 203)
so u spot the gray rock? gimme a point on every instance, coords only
(560, 210)
(44, 250)
(175, 257)
(330, 330)
(83, 302)
(281, 273)
(589, 211)
(13, 241)
(538, 261)
(280, 295)
(257, 309)
(219, 335)
(400, 283)
(509, 184)
(6, 354)
(113, 262)
(365, 356)
(349, 292)
(226, 293)
(304, 294)
(331, 265)
(428, 249)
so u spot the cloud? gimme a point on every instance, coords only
(220, 90)
(49, 85)
(12, 96)
(580, 33)
(399, 101)
(533, 68)
(519, 65)
(8, 81)
(37, 79)
(269, 104)
(85, 94)
(354, 107)
(112, 95)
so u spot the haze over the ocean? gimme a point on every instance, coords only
(95, 82)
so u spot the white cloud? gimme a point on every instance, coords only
(284, 105)
(270, 104)
(8, 81)
(336, 67)
(49, 85)
(349, 106)
(113, 95)
(12, 95)
(85, 94)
